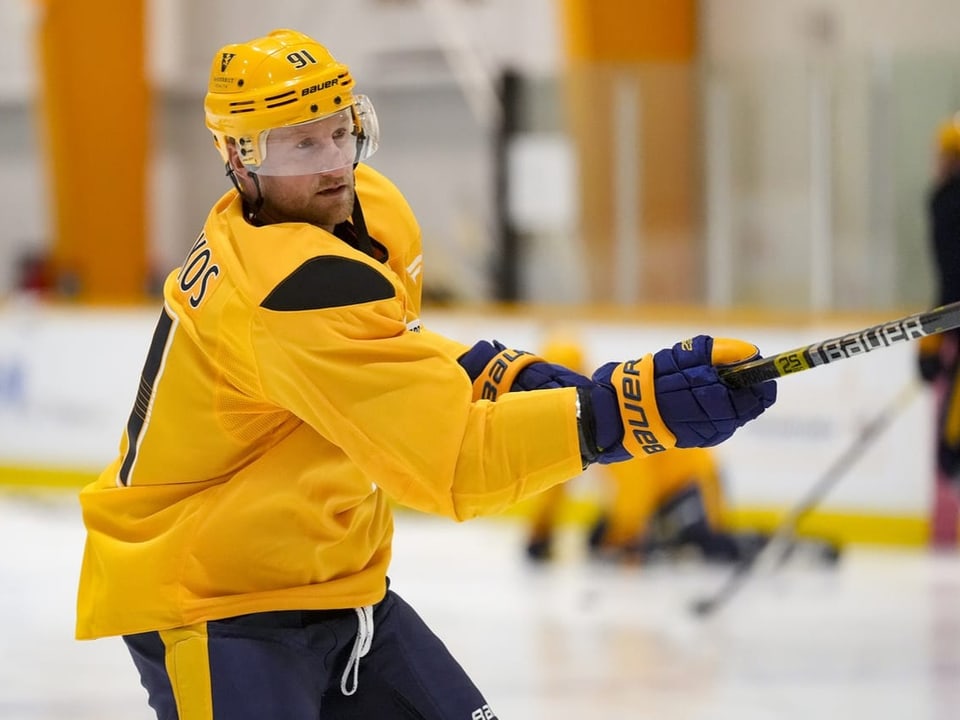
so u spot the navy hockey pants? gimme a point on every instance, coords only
(295, 665)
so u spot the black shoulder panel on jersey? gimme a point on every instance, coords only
(328, 281)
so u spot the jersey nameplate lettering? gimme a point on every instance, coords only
(197, 271)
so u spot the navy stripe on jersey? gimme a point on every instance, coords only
(328, 281)
(148, 377)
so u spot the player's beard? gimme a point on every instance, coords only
(323, 200)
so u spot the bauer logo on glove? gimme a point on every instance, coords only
(649, 437)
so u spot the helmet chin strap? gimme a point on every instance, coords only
(251, 208)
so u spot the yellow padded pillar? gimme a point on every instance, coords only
(630, 31)
(645, 49)
(94, 98)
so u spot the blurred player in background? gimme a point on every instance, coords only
(664, 505)
(673, 504)
(938, 354)
(240, 541)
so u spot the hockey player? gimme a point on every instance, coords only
(939, 355)
(673, 504)
(240, 541)
(943, 211)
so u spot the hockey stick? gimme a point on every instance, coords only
(873, 338)
(778, 544)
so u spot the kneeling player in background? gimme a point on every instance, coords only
(672, 503)
(667, 503)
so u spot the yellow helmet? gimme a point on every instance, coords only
(563, 350)
(288, 80)
(948, 135)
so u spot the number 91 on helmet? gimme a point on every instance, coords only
(289, 107)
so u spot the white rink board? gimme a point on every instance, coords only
(68, 378)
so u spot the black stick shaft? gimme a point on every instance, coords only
(912, 327)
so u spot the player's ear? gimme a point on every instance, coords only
(233, 158)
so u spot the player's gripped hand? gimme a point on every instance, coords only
(495, 369)
(673, 398)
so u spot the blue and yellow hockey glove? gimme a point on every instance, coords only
(673, 398)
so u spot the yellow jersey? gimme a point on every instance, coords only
(289, 390)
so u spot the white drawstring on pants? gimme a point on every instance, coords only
(361, 646)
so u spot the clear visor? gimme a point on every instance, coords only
(324, 145)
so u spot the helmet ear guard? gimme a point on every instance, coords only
(368, 127)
